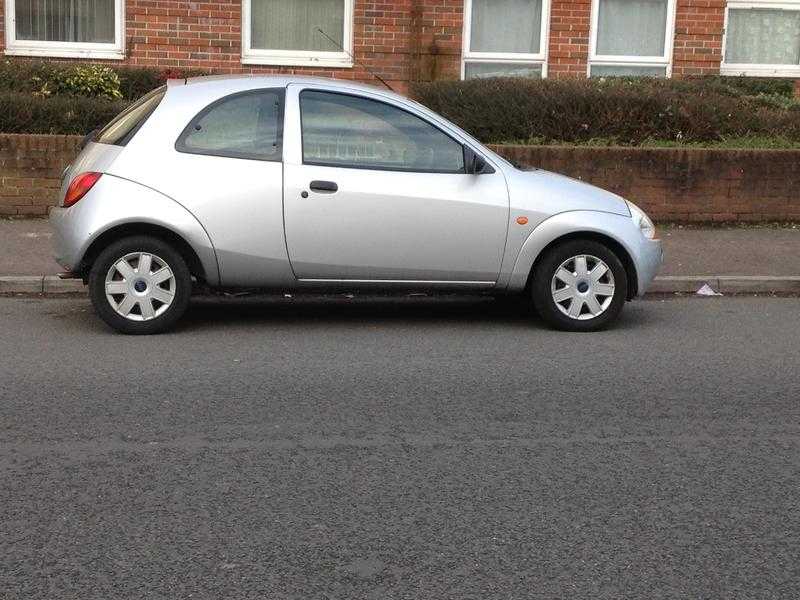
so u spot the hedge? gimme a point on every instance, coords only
(28, 76)
(20, 113)
(44, 97)
(627, 111)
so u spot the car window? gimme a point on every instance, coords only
(350, 131)
(124, 126)
(243, 125)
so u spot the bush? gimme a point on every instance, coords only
(629, 111)
(22, 113)
(64, 98)
(48, 79)
(92, 81)
(135, 82)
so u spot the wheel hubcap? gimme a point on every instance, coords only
(583, 287)
(140, 286)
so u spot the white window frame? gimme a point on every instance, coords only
(114, 51)
(510, 58)
(600, 60)
(756, 70)
(298, 58)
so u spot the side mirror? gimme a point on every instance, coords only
(474, 163)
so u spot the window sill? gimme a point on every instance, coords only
(297, 61)
(65, 52)
(760, 70)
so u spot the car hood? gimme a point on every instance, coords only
(550, 193)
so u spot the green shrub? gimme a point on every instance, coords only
(23, 113)
(47, 79)
(93, 81)
(624, 109)
(65, 98)
(135, 82)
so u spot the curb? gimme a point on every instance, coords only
(39, 284)
(726, 284)
(51, 285)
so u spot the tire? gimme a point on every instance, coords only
(590, 301)
(153, 301)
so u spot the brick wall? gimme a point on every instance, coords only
(568, 50)
(30, 171)
(671, 184)
(400, 40)
(683, 185)
(698, 37)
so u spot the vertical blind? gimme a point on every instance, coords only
(512, 26)
(631, 27)
(764, 36)
(65, 20)
(292, 24)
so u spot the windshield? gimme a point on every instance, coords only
(125, 125)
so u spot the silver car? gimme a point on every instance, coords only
(290, 183)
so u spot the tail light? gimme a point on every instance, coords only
(79, 186)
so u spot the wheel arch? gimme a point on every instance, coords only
(611, 230)
(601, 238)
(165, 234)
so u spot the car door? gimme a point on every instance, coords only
(373, 191)
(225, 167)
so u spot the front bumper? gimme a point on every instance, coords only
(649, 257)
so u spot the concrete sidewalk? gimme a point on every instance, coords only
(730, 260)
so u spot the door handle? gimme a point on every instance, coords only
(323, 186)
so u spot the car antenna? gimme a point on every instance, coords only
(353, 58)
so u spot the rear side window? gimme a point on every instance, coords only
(125, 125)
(244, 125)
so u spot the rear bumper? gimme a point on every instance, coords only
(67, 241)
(649, 258)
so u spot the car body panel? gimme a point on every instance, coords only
(390, 225)
(646, 255)
(397, 229)
(239, 201)
(114, 201)
(96, 158)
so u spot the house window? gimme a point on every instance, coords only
(631, 37)
(287, 32)
(65, 28)
(762, 39)
(505, 38)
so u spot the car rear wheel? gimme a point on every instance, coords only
(580, 285)
(140, 285)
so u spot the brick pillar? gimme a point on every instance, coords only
(2, 25)
(698, 37)
(568, 51)
(797, 88)
(436, 31)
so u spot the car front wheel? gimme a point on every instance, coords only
(580, 285)
(140, 285)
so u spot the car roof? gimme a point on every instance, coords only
(209, 82)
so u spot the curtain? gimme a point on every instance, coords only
(292, 24)
(477, 70)
(764, 36)
(627, 71)
(631, 27)
(513, 26)
(65, 20)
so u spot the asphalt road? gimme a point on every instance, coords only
(420, 450)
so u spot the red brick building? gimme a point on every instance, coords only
(412, 40)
